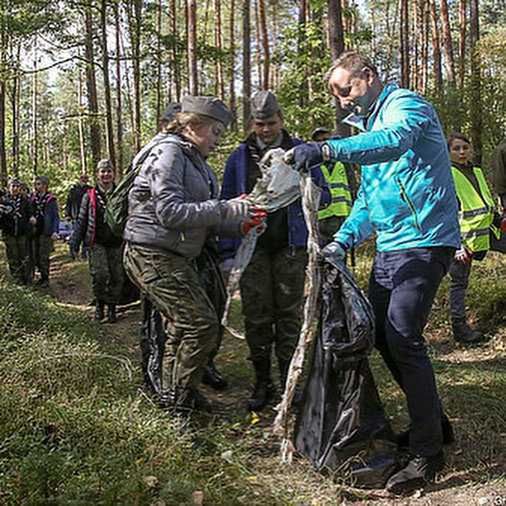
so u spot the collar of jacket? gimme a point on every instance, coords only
(360, 122)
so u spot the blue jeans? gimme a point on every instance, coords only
(402, 288)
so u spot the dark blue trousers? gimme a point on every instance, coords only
(402, 288)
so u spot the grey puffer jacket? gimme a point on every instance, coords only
(173, 202)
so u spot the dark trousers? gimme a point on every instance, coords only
(459, 276)
(402, 288)
(16, 249)
(42, 246)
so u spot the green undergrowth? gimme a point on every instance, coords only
(75, 429)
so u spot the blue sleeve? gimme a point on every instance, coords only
(229, 185)
(55, 218)
(357, 227)
(403, 122)
(319, 180)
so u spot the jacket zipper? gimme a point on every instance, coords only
(410, 204)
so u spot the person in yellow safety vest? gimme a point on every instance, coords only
(341, 183)
(476, 214)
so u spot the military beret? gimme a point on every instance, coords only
(207, 106)
(171, 111)
(264, 104)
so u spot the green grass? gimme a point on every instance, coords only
(76, 429)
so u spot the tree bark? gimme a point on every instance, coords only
(192, 46)
(220, 82)
(82, 145)
(436, 49)
(159, 11)
(35, 137)
(91, 85)
(258, 54)
(233, 104)
(15, 100)
(246, 62)
(476, 108)
(119, 112)
(404, 43)
(107, 86)
(265, 45)
(447, 43)
(462, 43)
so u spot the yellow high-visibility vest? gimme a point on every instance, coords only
(476, 211)
(339, 191)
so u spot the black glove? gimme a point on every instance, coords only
(305, 156)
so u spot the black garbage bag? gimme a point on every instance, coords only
(342, 425)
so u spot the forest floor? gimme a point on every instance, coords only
(76, 427)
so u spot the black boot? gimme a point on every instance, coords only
(213, 377)
(190, 399)
(402, 439)
(264, 389)
(418, 471)
(463, 333)
(111, 313)
(99, 311)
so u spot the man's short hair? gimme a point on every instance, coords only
(354, 62)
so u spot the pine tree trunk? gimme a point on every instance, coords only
(107, 86)
(258, 54)
(404, 43)
(15, 99)
(476, 108)
(3, 154)
(462, 43)
(82, 146)
(159, 60)
(175, 52)
(233, 104)
(91, 86)
(192, 46)
(246, 63)
(35, 137)
(447, 43)
(436, 49)
(219, 46)
(265, 45)
(119, 112)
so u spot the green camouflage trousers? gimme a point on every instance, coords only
(272, 293)
(16, 249)
(172, 284)
(107, 273)
(42, 246)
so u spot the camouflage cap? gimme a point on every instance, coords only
(104, 164)
(264, 104)
(207, 106)
(171, 111)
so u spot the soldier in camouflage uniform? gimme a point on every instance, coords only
(272, 286)
(15, 226)
(173, 211)
(105, 249)
(45, 221)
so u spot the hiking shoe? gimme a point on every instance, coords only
(213, 377)
(402, 439)
(418, 472)
(262, 395)
(464, 334)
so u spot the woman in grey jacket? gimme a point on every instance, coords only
(173, 211)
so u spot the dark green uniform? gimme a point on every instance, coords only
(16, 249)
(107, 273)
(172, 284)
(42, 247)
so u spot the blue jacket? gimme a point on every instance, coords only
(406, 196)
(234, 184)
(50, 219)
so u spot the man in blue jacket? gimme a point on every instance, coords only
(407, 199)
(272, 286)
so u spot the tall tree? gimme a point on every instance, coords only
(119, 108)
(192, 46)
(265, 44)
(476, 108)
(107, 87)
(462, 42)
(233, 105)
(436, 48)
(91, 85)
(447, 43)
(3, 64)
(404, 43)
(220, 81)
(246, 62)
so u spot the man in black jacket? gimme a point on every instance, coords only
(105, 248)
